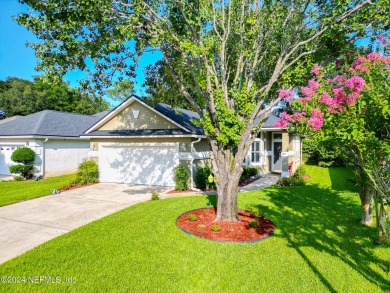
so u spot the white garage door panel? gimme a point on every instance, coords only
(5, 159)
(149, 165)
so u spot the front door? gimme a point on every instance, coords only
(276, 152)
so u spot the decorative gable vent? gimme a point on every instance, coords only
(135, 113)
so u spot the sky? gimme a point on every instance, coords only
(18, 60)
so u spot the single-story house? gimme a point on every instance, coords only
(138, 144)
(134, 143)
(54, 136)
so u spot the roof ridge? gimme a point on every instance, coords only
(36, 128)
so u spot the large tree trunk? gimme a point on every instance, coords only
(366, 203)
(365, 195)
(382, 219)
(227, 169)
(227, 187)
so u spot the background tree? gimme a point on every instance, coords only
(352, 111)
(233, 56)
(22, 97)
(121, 91)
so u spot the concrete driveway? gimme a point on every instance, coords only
(28, 224)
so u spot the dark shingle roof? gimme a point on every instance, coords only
(101, 114)
(49, 123)
(138, 132)
(270, 121)
(182, 117)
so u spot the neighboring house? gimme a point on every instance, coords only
(134, 143)
(54, 136)
(137, 144)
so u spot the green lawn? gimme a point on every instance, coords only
(16, 191)
(318, 246)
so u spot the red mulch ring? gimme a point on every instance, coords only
(236, 232)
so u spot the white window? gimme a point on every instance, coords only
(256, 152)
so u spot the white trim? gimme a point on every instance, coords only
(297, 148)
(144, 136)
(139, 144)
(201, 155)
(124, 105)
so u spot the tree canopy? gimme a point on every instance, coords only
(228, 58)
(22, 97)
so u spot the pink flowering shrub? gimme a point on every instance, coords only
(324, 97)
(316, 120)
(286, 95)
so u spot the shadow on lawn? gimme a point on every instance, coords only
(325, 220)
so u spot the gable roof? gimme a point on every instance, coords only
(48, 123)
(179, 117)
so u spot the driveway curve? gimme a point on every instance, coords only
(28, 224)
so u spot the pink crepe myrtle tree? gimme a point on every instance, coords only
(352, 109)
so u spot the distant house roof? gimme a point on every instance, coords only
(101, 114)
(49, 123)
(10, 119)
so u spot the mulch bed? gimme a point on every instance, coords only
(75, 187)
(236, 232)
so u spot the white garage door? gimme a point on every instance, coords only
(5, 158)
(136, 164)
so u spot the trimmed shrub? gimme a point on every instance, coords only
(256, 212)
(181, 178)
(18, 178)
(251, 171)
(202, 178)
(192, 217)
(248, 172)
(300, 172)
(292, 181)
(88, 173)
(253, 224)
(215, 228)
(23, 155)
(24, 170)
(155, 196)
